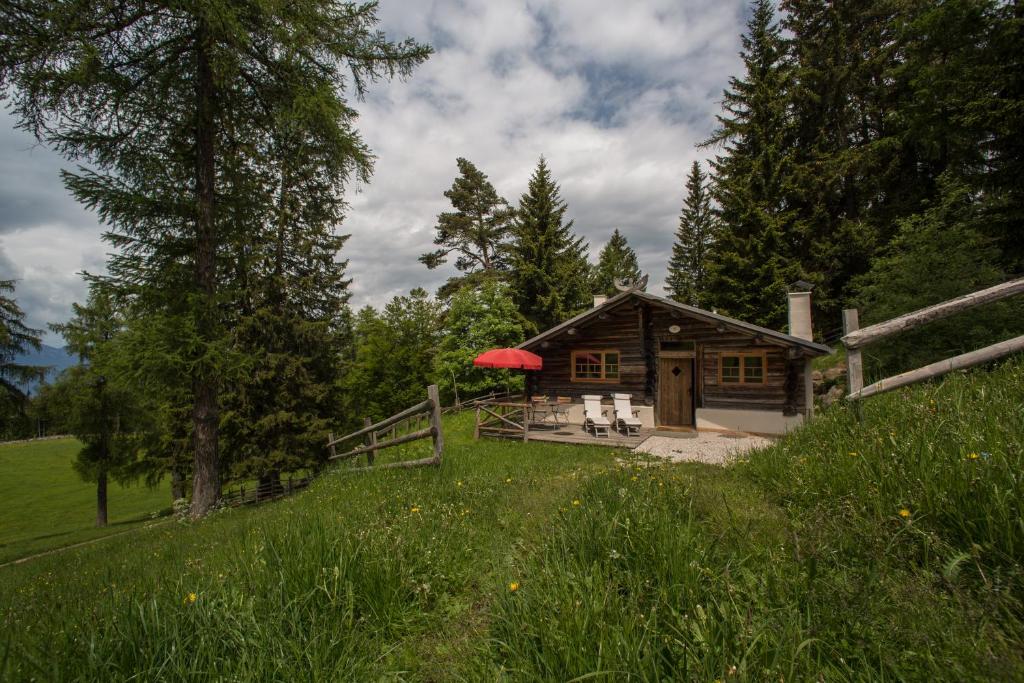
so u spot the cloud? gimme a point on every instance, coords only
(615, 96)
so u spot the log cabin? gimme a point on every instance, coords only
(684, 367)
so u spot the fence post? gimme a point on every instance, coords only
(330, 438)
(854, 362)
(476, 427)
(435, 422)
(373, 442)
(526, 422)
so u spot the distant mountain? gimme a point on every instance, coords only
(56, 359)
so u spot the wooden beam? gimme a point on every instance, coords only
(371, 454)
(406, 438)
(860, 338)
(435, 422)
(942, 367)
(386, 422)
(854, 362)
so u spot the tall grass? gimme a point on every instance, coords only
(548, 562)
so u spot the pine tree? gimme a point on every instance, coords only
(476, 230)
(16, 338)
(695, 239)
(548, 268)
(172, 109)
(617, 261)
(751, 265)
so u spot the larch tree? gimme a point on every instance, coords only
(616, 261)
(169, 105)
(476, 231)
(99, 406)
(548, 268)
(751, 265)
(695, 238)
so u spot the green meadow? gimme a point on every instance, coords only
(886, 546)
(46, 505)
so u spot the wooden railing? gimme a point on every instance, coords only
(856, 339)
(503, 419)
(266, 491)
(421, 421)
(459, 406)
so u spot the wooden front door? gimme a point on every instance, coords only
(675, 392)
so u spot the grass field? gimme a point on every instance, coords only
(47, 505)
(887, 549)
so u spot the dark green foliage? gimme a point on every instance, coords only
(477, 320)
(695, 240)
(939, 254)
(751, 266)
(617, 261)
(99, 406)
(394, 355)
(476, 230)
(191, 119)
(16, 338)
(548, 267)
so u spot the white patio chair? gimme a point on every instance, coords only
(625, 417)
(593, 419)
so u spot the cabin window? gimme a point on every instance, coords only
(741, 368)
(595, 366)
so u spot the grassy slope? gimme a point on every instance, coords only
(796, 565)
(47, 505)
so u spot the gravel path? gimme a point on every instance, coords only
(708, 447)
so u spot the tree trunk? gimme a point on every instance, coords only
(206, 412)
(177, 485)
(101, 499)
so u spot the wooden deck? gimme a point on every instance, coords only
(574, 433)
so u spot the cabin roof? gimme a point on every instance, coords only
(780, 338)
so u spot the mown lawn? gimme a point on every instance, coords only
(46, 505)
(884, 549)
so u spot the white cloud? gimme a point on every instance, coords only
(615, 95)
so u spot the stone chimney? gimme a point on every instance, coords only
(800, 315)
(599, 299)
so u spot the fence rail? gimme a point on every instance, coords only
(270, 490)
(502, 419)
(856, 339)
(426, 412)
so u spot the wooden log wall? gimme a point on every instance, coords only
(637, 331)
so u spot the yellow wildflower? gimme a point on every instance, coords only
(904, 512)
(509, 480)
(190, 598)
(576, 503)
(458, 483)
(853, 454)
(972, 456)
(414, 508)
(514, 586)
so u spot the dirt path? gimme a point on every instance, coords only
(54, 551)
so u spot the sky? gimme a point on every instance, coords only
(616, 97)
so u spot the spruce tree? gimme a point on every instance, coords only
(16, 338)
(617, 261)
(695, 239)
(751, 263)
(548, 268)
(172, 106)
(476, 230)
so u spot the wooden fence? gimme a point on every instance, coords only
(266, 491)
(856, 339)
(503, 419)
(420, 421)
(459, 406)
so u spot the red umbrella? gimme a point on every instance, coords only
(509, 358)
